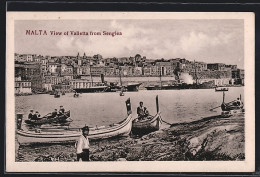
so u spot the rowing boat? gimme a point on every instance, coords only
(231, 108)
(122, 128)
(148, 124)
(47, 120)
(41, 136)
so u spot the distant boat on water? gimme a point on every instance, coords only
(221, 89)
(131, 87)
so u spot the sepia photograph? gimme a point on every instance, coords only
(130, 92)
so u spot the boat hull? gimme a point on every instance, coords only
(28, 137)
(133, 87)
(221, 89)
(153, 88)
(232, 112)
(92, 89)
(147, 126)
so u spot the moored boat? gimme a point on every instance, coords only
(76, 95)
(48, 119)
(131, 87)
(231, 108)
(122, 128)
(221, 89)
(57, 95)
(149, 124)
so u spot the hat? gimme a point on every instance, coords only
(85, 128)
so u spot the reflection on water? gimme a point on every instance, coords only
(105, 108)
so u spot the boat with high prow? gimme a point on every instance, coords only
(122, 128)
(233, 107)
(149, 124)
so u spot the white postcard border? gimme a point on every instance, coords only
(176, 166)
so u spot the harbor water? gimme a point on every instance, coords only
(97, 109)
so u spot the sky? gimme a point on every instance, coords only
(211, 41)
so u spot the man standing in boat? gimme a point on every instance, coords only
(142, 111)
(82, 145)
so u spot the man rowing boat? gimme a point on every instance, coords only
(142, 111)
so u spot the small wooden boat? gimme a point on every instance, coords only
(48, 119)
(122, 128)
(76, 95)
(149, 124)
(221, 89)
(232, 107)
(57, 95)
(132, 87)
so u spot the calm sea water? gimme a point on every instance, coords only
(105, 108)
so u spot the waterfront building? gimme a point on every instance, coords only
(47, 87)
(109, 71)
(54, 80)
(126, 70)
(96, 70)
(37, 59)
(82, 83)
(232, 67)
(165, 68)
(30, 72)
(53, 67)
(238, 75)
(22, 86)
(97, 57)
(219, 78)
(138, 71)
(216, 66)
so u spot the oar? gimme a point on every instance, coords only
(220, 105)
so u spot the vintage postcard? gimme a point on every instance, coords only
(130, 92)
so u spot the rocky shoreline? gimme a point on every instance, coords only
(211, 138)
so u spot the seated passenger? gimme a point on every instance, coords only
(54, 113)
(30, 115)
(61, 111)
(238, 102)
(36, 116)
(142, 111)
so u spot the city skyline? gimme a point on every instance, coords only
(210, 41)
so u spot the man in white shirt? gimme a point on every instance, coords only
(82, 145)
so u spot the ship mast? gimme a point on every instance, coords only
(90, 75)
(120, 76)
(161, 78)
(196, 73)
